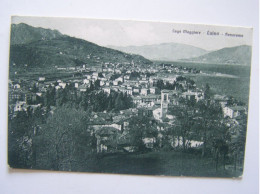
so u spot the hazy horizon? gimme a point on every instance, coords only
(173, 43)
(125, 33)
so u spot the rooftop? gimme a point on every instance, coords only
(237, 108)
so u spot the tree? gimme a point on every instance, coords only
(110, 105)
(99, 101)
(49, 97)
(134, 75)
(207, 92)
(119, 103)
(185, 124)
(180, 78)
(237, 146)
(115, 76)
(65, 141)
(97, 84)
(160, 84)
(92, 87)
(20, 137)
(34, 88)
(139, 128)
(220, 149)
(61, 97)
(100, 75)
(210, 116)
(127, 101)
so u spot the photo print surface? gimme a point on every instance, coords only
(128, 97)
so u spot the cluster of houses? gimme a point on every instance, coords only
(233, 111)
(148, 100)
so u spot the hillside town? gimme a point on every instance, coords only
(162, 94)
(167, 108)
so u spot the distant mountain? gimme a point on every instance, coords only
(164, 51)
(23, 33)
(240, 55)
(49, 48)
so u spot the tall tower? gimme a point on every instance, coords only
(164, 103)
(102, 68)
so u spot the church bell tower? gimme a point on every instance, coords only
(164, 103)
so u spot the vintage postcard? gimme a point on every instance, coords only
(128, 97)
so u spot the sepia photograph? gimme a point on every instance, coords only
(128, 97)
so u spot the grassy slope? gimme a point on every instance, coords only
(67, 52)
(233, 55)
(159, 163)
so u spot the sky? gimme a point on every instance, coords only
(106, 32)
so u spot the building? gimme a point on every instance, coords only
(120, 79)
(149, 142)
(144, 91)
(17, 86)
(115, 83)
(137, 100)
(222, 100)
(129, 92)
(164, 103)
(191, 95)
(153, 90)
(42, 79)
(63, 85)
(147, 112)
(127, 77)
(136, 90)
(30, 97)
(106, 140)
(86, 81)
(107, 90)
(95, 74)
(102, 83)
(83, 87)
(125, 90)
(151, 99)
(14, 95)
(233, 111)
(20, 106)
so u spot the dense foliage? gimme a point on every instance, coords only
(93, 99)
